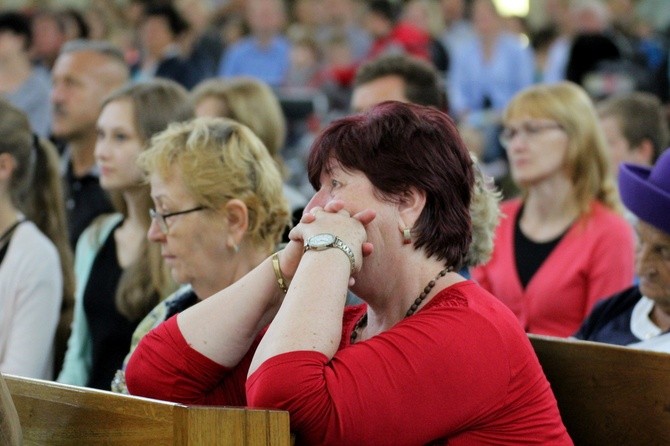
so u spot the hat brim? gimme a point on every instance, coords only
(643, 198)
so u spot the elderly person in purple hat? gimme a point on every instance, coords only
(639, 316)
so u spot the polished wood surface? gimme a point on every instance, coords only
(10, 429)
(608, 395)
(58, 414)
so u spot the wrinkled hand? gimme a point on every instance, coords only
(333, 219)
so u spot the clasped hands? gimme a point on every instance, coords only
(332, 219)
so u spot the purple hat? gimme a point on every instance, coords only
(646, 191)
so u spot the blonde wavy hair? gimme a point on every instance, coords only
(220, 159)
(587, 160)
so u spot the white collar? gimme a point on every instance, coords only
(640, 324)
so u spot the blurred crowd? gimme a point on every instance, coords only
(308, 51)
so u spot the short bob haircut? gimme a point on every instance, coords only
(220, 159)
(400, 147)
(587, 160)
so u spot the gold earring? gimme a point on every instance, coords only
(406, 236)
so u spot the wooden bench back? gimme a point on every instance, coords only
(59, 414)
(608, 395)
(10, 428)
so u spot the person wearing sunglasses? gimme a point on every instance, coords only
(219, 211)
(564, 244)
(120, 275)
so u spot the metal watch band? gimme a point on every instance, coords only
(337, 243)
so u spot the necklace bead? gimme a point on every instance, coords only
(412, 309)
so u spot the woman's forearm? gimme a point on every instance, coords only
(223, 326)
(310, 317)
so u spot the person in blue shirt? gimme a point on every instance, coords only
(264, 54)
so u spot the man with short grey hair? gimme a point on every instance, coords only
(85, 72)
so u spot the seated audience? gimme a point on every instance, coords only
(635, 127)
(120, 276)
(265, 53)
(487, 68)
(564, 244)
(25, 86)
(35, 256)
(222, 169)
(161, 27)
(639, 316)
(390, 220)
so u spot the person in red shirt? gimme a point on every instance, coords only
(428, 358)
(392, 35)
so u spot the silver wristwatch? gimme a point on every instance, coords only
(323, 241)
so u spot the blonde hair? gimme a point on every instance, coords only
(155, 104)
(250, 102)
(587, 159)
(485, 216)
(220, 159)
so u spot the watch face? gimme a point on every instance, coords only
(321, 240)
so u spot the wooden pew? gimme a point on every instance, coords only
(608, 395)
(10, 427)
(59, 414)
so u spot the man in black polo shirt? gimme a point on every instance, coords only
(83, 75)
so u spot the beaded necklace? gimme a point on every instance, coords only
(412, 309)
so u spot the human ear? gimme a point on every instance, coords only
(644, 152)
(237, 219)
(410, 207)
(7, 166)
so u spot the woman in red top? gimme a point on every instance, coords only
(429, 357)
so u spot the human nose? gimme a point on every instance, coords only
(644, 260)
(318, 199)
(56, 95)
(100, 150)
(154, 233)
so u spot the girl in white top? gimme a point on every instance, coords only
(35, 269)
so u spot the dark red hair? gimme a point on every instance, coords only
(401, 146)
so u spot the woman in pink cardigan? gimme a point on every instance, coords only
(562, 246)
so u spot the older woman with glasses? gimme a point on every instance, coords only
(219, 211)
(120, 276)
(563, 245)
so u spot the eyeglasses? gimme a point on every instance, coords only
(529, 130)
(161, 219)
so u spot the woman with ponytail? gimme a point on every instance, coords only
(36, 275)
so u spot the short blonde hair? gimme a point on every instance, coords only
(250, 102)
(587, 161)
(220, 159)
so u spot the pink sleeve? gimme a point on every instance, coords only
(479, 275)
(366, 393)
(165, 367)
(612, 263)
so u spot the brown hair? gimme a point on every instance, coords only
(155, 105)
(36, 187)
